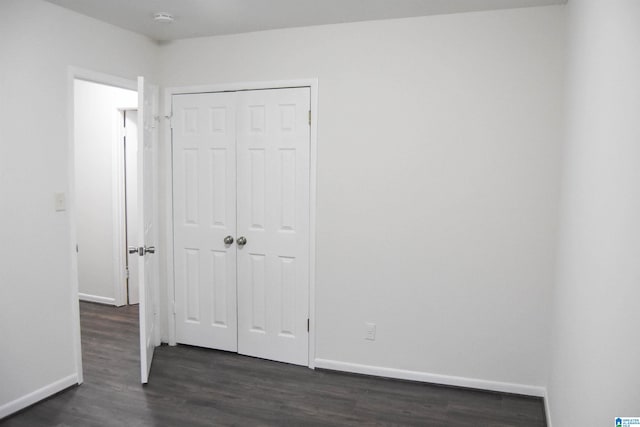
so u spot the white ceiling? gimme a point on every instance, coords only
(196, 18)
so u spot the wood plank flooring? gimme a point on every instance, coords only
(191, 386)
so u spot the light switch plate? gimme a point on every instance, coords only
(60, 202)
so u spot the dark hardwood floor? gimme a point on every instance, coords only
(191, 386)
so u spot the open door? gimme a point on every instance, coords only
(147, 224)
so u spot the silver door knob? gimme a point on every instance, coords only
(149, 249)
(133, 250)
(228, 240)
(242, 241)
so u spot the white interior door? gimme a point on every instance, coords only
(273, 216)
(146, 225)
(204, 169)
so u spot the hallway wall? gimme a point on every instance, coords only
(98, 125)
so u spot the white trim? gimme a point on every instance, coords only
(547, 409)
(96, 298)
(103, 79)
(238, 86)
(426, 377)
(313, 177)
(168, 187)
(226, 87)
(118, 212)
(36, 396)
(96, 77)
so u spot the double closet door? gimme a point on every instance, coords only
(241, 221)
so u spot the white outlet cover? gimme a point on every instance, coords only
(370, 332)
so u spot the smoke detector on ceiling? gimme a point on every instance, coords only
(163, 17)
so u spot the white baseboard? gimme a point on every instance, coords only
(426, 377)
(95, 298)
(547, 410)
(38, 395)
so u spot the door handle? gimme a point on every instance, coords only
(242, 241)
(228, 240)
(142, 250)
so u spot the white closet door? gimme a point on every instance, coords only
(273, 145)
(204, 191)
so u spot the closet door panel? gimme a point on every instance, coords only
(204, 190)
(273, 148)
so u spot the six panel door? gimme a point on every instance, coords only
(241, 169)
(273, 216)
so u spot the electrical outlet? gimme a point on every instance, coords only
(370, 332)
(59, 202)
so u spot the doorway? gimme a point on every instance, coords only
(101, 132)
(146, 102)
(242, 213)
(104, 123)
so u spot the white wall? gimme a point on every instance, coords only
(98, 125)
(38, 41)
(438, 170)
(438, 173)
(595, 372)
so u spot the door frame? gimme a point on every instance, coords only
(74, 73)
(167, 164)
(122, 215)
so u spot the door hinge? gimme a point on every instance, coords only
(309, 117)
(126, 272)
(169, 117)
(307, 325)
(77, 249)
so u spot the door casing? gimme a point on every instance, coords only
(312, 84)
(130, 169)
(74, 73)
